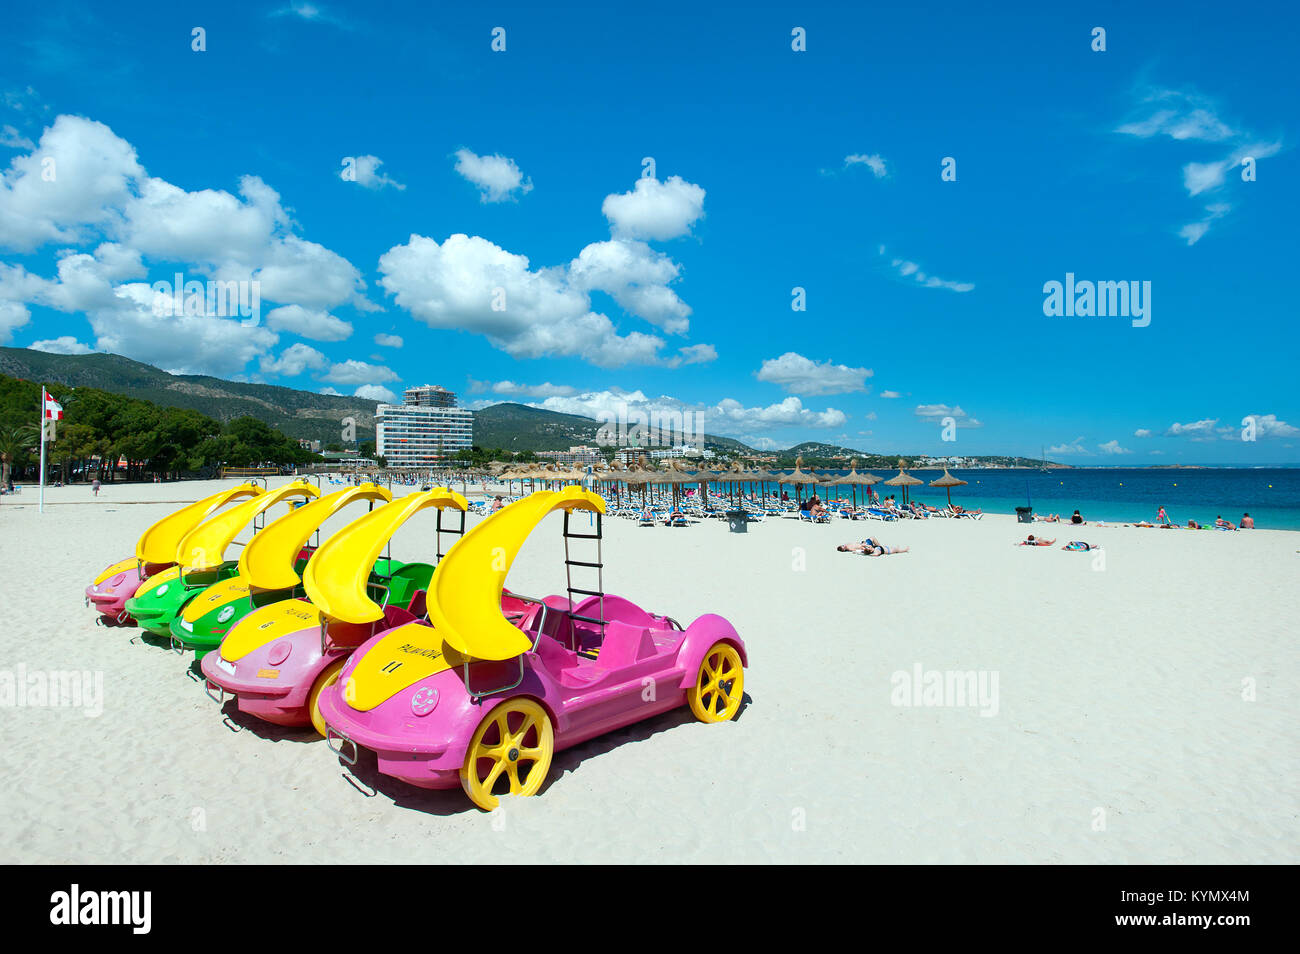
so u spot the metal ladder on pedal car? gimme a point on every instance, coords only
(598, 565)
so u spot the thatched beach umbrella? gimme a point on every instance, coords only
(798, 478)
(947, 482)
(903, 480)
(855, 480)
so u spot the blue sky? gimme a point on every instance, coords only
(496, 230)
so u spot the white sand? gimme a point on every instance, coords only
(1120, 708)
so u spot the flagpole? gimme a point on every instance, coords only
(41, 505)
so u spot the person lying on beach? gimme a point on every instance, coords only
(870, 547)
(1032, 541)
(1050, 518)
(1193, 525)
(1224, 524)
(957, 509)
(1079, 545)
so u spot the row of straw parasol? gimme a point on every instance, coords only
(676, 475)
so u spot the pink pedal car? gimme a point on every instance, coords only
(477, 699)
(154, 551)
(278, 659)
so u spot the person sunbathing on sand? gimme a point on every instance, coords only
(1079, 545)
(870, 547)
(1050, 518)
(1224, 524)
(1032, 541)
(1193, 525)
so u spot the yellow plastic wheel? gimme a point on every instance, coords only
(511, 750)
(719, 685)
(326, 678)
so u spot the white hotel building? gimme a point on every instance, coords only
(424, 431)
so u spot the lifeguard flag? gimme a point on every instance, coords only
(53, 409)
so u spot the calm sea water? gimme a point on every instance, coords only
(1271, 496)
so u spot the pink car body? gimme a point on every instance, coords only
(273, 658)
(646, 664)
(109, 593)
(273, 681)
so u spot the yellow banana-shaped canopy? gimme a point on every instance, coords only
(465, 597)
(204, 547)
(337, 575)
(268, 560)
(158, 544)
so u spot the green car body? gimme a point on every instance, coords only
(211, 613)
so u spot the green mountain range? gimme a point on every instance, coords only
(299, 414)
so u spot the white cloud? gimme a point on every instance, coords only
(1112, 447)
(1197, 430)
(1190, 117)
(310, 12)
(358, 372)
(99, 190)
(294, 360)
(537, 312)
(124, 319)
(912, 270)
(364, 171)
(636, 277)
(11, 138)
(655, 210)
(64, 344)
(512, 389)
(890, 394)
(1142, 432)
(727, 417)
(693, 354)
(389, 341)
(469, 283)
(874, 162)
(1179, 115)
(1073, 447)
(1194, 231)
(375, 392)
(497, 177)
(937, 412)
(94, 172)
(795, 373)
(316, 325)
(1267, 425)
(331, 391)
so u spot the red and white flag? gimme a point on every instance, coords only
(53, 409)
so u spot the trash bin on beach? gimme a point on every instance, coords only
(737, 521)
(1025, 514)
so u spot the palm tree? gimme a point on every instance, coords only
(14, 440)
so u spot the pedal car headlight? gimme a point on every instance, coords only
(162, 590)
(187, 626)
(424, 700)
(225, 614)
(279, 652)
(117, 579)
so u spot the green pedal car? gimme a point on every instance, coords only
(200, 558)
(269, 571)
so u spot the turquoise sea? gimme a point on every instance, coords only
(1270, 495)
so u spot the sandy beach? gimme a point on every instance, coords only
(1145, 708)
